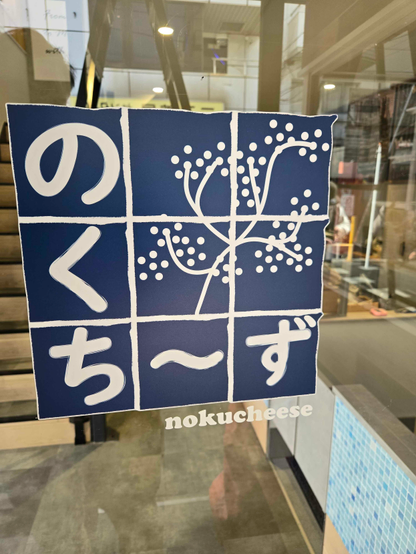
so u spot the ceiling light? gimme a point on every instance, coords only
(157, 90)
(329, 86)
(165, 31)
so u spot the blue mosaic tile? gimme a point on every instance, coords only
(371, 501)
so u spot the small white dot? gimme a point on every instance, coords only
(153, 266)
(187, 165)
(250, 203)
(307, 193)
(191, 250)
(313, 146)
(289, 261)
(280, 137)
(250, 160)
(176, 239)
(174, 159)
(268, 259)
(224, 172)
(240, 155)
(293, 213)
(291, 140)
(141, 260)
(190, 262)
(258, 190)
(219, 160)
(194, 175)
(178, 174)
(309, 261)
(200, 240)
(226, 267)
(253, 146)
(165, 264)
(298, 268)
(271, 238)
(207, 155)
(308, 250)
(216, 272)
(221, 145)
(262, 160)
(245, 192)
(325, 147)
(318, 133)
(159, 276)
(246, 180)
(178, 226)
(239, 271)
(304, 135)
(299, 257)
(256, 173)
(302, 152)
(276, 224)
(161, 242)
(185, 240)
(279, 257)
(282, 236)
(199, 162)
(297, 247)
(225, 279)
(229, 160)
(240, 169)
(143, 276)
(154, 230)
(273, 124)
(313, 158)
(273, 268)
(187, 149)
(179, 253)
(268, 140)
(294, 201)
(291, 226)
(153, 254)
(269, 248)
(315, 206)
(202, 256)
(289, 127)
(259, 269)
(258, 253)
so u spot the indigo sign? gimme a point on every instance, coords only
(170, 258)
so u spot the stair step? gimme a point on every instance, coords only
(7, 196)
(11, 279)
(17, 387)
(6, 173)
(13, 313)
(4, 153)
(30, 434)
(8, 222)
(10, 249)
(15, 353)
(23, 410)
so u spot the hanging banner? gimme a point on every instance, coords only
(171, 258)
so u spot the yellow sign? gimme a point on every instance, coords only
(199, 106)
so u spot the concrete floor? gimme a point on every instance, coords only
(189, 491)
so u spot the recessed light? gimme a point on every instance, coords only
(165, 31)
(157, 90)
(329, 86)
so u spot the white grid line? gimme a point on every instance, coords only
(131, 263)
(168, 219)
(232, 235)
(184, 317)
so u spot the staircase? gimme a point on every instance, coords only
(19, 427)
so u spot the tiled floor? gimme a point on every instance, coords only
(190, 491)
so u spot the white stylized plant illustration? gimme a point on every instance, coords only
(286, 245)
